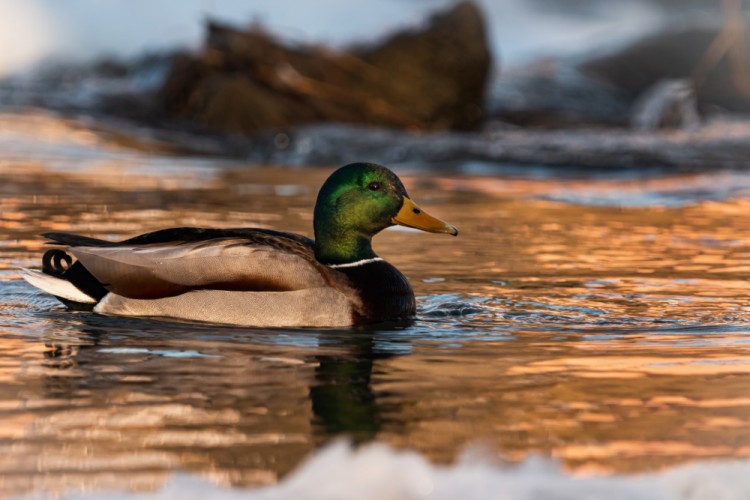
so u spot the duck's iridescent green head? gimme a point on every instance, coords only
(358, 201)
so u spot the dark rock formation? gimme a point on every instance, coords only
(438, 74)
(244, 81)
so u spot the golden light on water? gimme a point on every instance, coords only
(565, 320)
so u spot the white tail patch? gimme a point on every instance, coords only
(56, 286)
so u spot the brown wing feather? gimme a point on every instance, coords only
(147, 271)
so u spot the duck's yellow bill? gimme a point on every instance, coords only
(411, 215)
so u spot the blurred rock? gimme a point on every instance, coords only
(439, 74)
(245, 81)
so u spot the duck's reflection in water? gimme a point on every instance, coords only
(343, 400)
(125, 410)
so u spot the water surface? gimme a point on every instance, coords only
(601, 320)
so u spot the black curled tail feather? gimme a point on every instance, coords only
(52, 262)
(58, 263)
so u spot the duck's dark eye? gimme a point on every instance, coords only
(373, 186)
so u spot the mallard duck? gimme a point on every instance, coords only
(251, 276)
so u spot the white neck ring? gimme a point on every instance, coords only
(354, 264)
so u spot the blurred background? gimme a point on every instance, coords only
(224, 66)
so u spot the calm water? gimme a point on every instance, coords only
(600, 321)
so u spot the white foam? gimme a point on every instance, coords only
(377, 471)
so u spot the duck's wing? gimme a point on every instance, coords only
(172, 262)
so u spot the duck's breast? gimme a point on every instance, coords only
(384, 293)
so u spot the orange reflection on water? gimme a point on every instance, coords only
(561, 321)
(640, 366)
